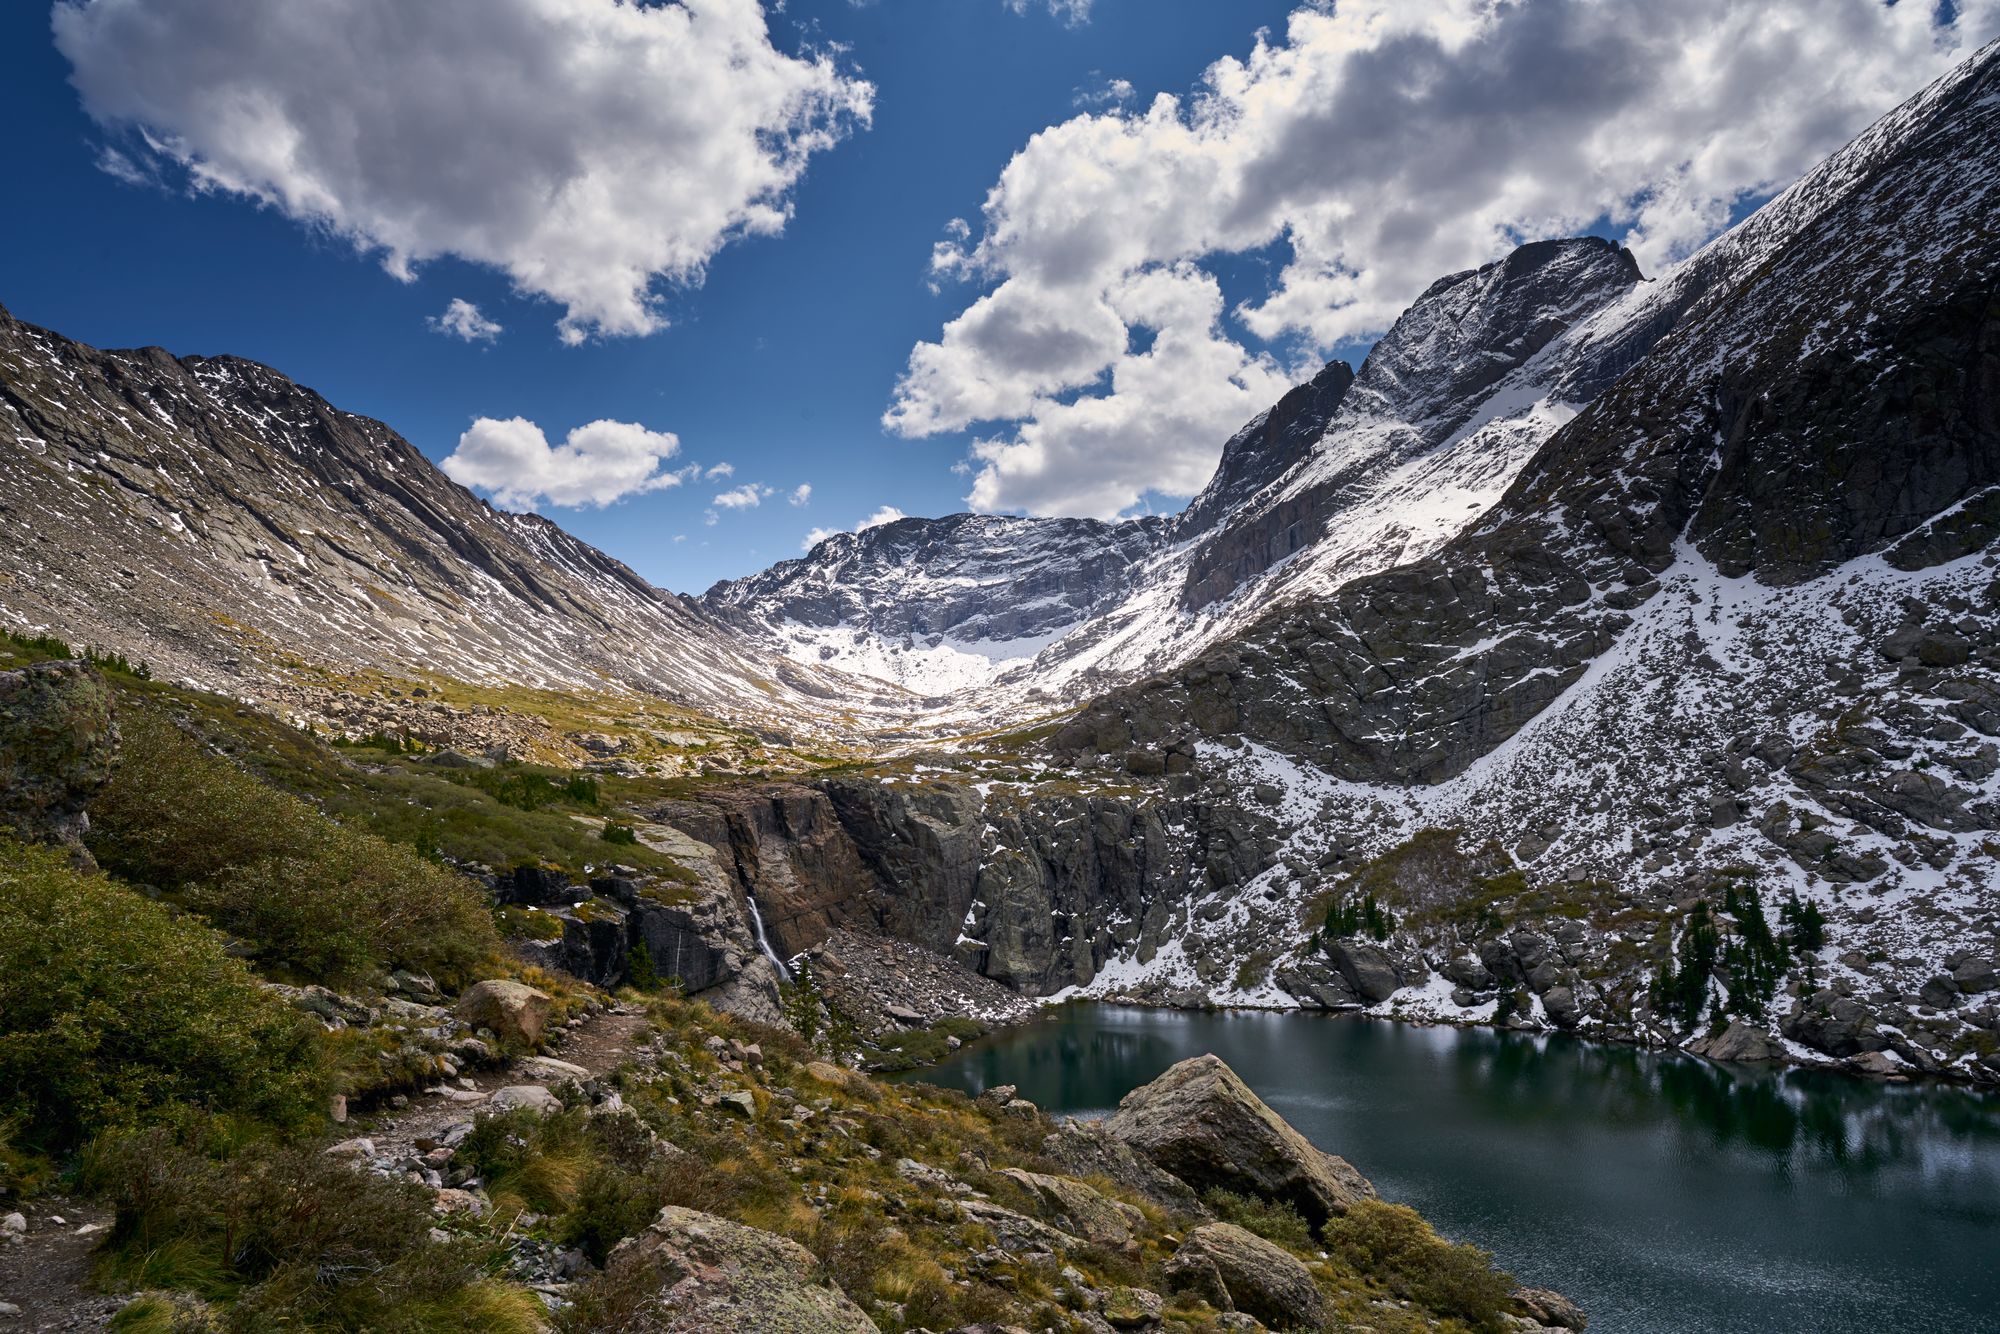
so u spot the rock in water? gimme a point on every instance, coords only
(1204, 1125)
(707, 1274)
(1238, 1270)
(515, 1011)
(57, 746)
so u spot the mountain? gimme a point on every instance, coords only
(1735, 622)
(1348, 473)
(1588, 599)
(937, 605)
(233, 529)
(1614, 607)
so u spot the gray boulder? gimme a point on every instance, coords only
(1738, 1042)
(706, 1273)
(1368, 969)
(1561, 1006)
(1202, 1123)
(533, 1098)
(1086, 1149)
(1236, 1270)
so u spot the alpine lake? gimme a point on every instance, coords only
(1660, 1191)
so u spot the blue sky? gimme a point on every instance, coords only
(781, 363)
(1138, 284)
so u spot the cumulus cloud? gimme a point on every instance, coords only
(595, 151)
(462, 319)
(596, 464)
(802, 495)
(748, 496)
(1378, 146)
(718, 471)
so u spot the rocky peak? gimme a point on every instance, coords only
(1471, 329)
(1268, 446)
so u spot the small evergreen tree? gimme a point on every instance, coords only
(640, 970)
(1804, 927)
(1680, 990)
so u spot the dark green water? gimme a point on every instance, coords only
(1662, 1192)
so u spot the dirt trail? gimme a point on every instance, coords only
(46, 1274)
(600, 1044)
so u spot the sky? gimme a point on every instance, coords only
(703, 280)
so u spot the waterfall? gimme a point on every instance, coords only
(764, 941)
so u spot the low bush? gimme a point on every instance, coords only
(292, 1240)
(115, 1010)
(1392, 1244)
(1273, 1220)
(311, 898)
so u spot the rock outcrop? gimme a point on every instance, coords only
(1202, 1123)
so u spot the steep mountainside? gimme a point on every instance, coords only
(1738, 620)
(230, 527)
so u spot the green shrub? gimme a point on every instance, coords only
(624, 834)
(1273, 1220)
(292, 1240)
(1392, 1244)
(113, 1010)
(309, 897)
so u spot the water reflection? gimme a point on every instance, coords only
(1667, 1192)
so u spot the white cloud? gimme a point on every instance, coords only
(816, 536)
(1104, 92)
(748, 496)
(1383, 145)
(1072, 12)
(802, 495)
(718, 471)
(596, 464)
(593, 150)
(462, 319)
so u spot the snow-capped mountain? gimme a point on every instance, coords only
(939, 605)
(1347, 474)
(1737, 619)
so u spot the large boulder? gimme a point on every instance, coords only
(1738, 1042)
(1204, 1125)
(1236, 1270)
(57, 746)
(1087, 1149)
(1368, 969)
(515, 1011)
(704, 1274)
(1078, 1208)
